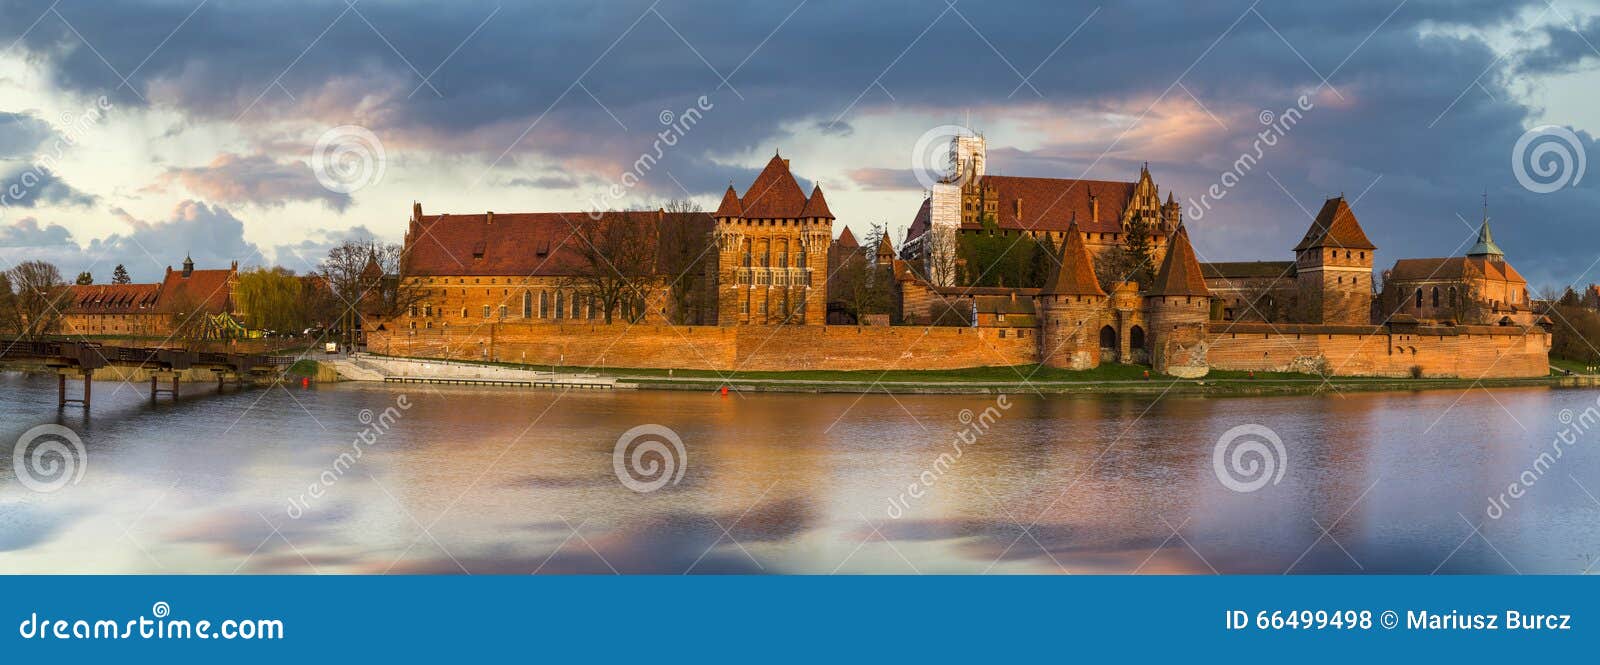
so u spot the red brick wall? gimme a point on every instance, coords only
(1477, 352)
(749, 348)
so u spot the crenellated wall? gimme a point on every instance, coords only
(1465, 351)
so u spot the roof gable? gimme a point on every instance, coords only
(1051, 204)
(817, 206)
(513, 244)
(847, 240)
(730, 207)
(774, 194)
(1180, 272)
(1074, 274)
(1335, 226)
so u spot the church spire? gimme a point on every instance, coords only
(1485, 248)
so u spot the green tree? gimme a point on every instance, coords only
(120, 275)
(272, 299)
(996, 257)
(1137, 253)
(84, 279)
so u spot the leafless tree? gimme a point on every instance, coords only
(617, 261)
(684, 256)
(40, 296)
(943, 262)
(362, 281)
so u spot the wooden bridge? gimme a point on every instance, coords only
(80, 358)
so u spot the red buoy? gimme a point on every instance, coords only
(724, 391)
(305, 382)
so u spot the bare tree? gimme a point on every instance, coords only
(684, 255)
(943, 257)
(361, 279)
(617, 260)
(40, 296)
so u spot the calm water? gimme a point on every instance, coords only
(511, 481)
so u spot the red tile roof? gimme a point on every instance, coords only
(1180, 272)
(1335, 226)
(1074, 275)
(922, 222)
(1453, 268)
(847, 240)
(208, 289)
(774, 194)
(112, 299)
(817, 206)
(730, 207)
(514, 244)
(1049, 204)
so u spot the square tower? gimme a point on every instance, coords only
(1333, 267)
(772, 251)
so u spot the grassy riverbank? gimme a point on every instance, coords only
(1106, 379)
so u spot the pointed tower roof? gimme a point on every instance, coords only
(1335, 226)
(731, 207)
(847, 240)
(817, 206)
(885, 246)
(1180, 271)
(1074, 274)
(774, 194)
(1485, 246)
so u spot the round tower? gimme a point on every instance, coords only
(1071, 308)
(1176, 308)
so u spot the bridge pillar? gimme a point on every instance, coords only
(61, 386)
(155, 385)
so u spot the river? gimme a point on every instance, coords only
(465, 480)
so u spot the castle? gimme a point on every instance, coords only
(758, 295)
(201, 301)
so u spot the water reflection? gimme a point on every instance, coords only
(516, 482)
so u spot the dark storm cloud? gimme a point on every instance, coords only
(582, 88)
(24, 185)
(21, 134)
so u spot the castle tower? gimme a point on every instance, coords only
(772, 251)
(1071, 307)
(1333, 266)
(1176, 308)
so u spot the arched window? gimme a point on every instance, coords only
(544, 304)
(560, 304)
(1108, 337)
(1452, 296)
(1435, 296)
(1419, 299)
(577, 307)
(1136, 337)
(527, 304)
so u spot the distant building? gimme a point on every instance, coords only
(195, 303)
(771, 243)
(1478, 288)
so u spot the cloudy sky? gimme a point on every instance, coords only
(135, 132)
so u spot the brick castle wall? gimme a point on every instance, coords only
(722, 348)
(1469, 352)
